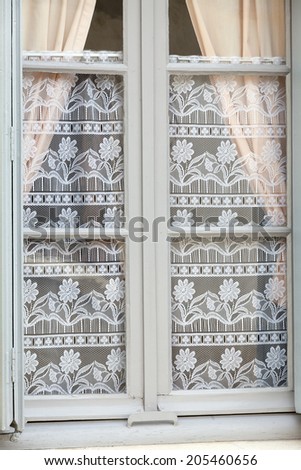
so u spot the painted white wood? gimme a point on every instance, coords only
(149, 189)
(57, 408)
(17, 177)
(119, 405)
(6, 395)
(239, 69)
(133, 198)
(63, 67)
(296, 134)
(162, 196)
(188, 430)
(214, 402)
(202, 402)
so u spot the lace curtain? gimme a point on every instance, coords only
(74, 289)
(228, 168)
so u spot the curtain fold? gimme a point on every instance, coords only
(52, 25)
(243, 28)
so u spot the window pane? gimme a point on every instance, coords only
(233, 29)
(227, 150)
(229, 316)
(73, 150)
(72, 25)
(106, 30)
(74, 289)
(74, 305)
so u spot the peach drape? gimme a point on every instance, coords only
(243, 28)
(56, 25)
(52, 25)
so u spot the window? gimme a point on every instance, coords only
(157, 230)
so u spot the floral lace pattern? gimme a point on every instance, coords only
(227, 150)
(74, 317)
(73, 151)
(229, 314)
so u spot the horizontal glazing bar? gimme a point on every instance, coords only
(205, 68)
(75, 233)
(216, 231)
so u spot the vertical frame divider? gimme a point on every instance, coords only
(133, 196)
(163, 280)
(149, 254)
(6, 388)
(296, 171)
(17, 113)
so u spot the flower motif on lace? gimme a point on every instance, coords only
(183, 219)
(274, 289)
(29, 218)
(271, 152)
(112, 218)
(227, 218)
(257, 372)
(182, 151)
(212, 373)
(30, 291)
(92, 162)
(225, 85)
(109, 149)
(116, 360)
(27, 81)
(256, 303)
(68, 218)
(53, 376)
(68, 290)
(274, 217)
(67, 149)
(104, 82)
(185, 360)
(29, 148)
(115, 290)
(30, 362)
(97, 374)
(182, 83)
(184, 291)
(231, 359)
(229, 290)
(276, 358)
(268, 87)
(210, 304)
(70, 361)
(226, 152)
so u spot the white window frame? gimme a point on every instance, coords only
(152, 385)
(45, 408)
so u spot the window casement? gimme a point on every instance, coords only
(158, 232)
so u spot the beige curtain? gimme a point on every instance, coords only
(56, 25)
(244, 28)
(52, 25)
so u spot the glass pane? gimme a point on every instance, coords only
(229, 321)
(106, 30)
(73, 150)
(227, 150)
(72, 25)
(253, 30)
(74, 317)
(74, 289)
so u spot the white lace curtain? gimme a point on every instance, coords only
(52, 25)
